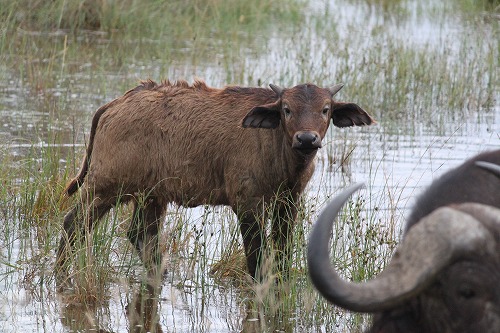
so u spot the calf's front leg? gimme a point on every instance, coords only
(283, 223)
(254, 241)
(144, 232)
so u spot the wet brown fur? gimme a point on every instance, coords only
(182, 143)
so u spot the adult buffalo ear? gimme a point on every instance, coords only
(350, 114)
(263, 116)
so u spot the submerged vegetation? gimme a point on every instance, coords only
(60, 60)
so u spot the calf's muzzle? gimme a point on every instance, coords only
(306, 140)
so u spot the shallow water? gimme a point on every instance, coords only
(395, 158)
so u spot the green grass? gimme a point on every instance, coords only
(145, 18)
(137, 28)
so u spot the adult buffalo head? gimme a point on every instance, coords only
(444, 276)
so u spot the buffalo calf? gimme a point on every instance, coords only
(195, 145)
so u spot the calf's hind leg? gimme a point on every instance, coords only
(77, 222)
(144, 232)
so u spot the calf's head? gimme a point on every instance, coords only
(304, 113)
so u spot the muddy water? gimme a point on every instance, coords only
(394, 159)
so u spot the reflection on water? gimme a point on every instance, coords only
(150, 310)
(79, 317)
(142, 311)
(394, 159)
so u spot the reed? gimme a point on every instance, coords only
(146, 18)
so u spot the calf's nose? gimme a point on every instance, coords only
(306, 140)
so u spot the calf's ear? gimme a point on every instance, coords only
(350, 114)
(263, 116)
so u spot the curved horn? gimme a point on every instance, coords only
(335, 89)
(429, 246)
(278, 90)
(494, 168)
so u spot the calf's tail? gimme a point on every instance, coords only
(76, 182)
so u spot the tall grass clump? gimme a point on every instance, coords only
(404, 85)
(153, 18)
(30, 213)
